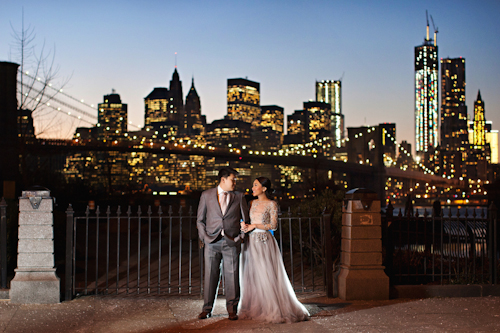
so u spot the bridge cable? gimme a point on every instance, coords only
(60, 91)
(63, 103)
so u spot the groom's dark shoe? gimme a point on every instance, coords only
(204, 315)
(233, 316)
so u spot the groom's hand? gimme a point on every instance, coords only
(201, 244)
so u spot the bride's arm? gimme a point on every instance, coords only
(273, 223)
(273, 214)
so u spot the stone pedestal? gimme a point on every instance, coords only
(35, 280)
(362, 275)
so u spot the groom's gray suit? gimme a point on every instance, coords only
(210, 223)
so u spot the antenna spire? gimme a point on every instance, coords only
(175, 59)
(435, 31)
(427, 18)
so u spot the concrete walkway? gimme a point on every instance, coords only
(179, 314)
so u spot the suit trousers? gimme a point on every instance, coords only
(230, 256)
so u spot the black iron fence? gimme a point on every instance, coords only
(155, 251)
(430, 248)
(149, 250)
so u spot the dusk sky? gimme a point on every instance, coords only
(286, 46)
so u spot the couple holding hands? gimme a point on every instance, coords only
(259, 276)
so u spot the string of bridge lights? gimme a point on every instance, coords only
(400, 147)
(61, 91)
(37, 99)
(58, 109)
(428, 188)
(299, 150)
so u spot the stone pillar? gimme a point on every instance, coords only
(362, 275)
(35, 280)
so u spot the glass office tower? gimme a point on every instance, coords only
(426, 95)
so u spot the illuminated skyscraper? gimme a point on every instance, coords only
(243, 101)
(296, 128)
(296, 123)
(453, 109)
(112, 118)
(484, 143)
(426, 95)
(109, 169)
(193, 122)
(229, 133)
(318, 120)
(479, 122)
(165, 107)
(272, 116)
(310, 124)
(156, 106)
(492, 140)
(329, 91)
(388, 133)
(269, 134)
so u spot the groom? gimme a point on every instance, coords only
(219, 214)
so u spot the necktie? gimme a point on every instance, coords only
(223, 203)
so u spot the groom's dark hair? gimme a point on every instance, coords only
(226, 172)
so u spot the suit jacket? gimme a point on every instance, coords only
(210, 220)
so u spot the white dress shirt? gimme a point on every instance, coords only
(220, 193)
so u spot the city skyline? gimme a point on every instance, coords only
(285, 66)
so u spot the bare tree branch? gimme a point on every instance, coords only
(37, 73)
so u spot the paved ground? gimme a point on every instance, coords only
(178, 314)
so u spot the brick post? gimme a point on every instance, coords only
(362, 275)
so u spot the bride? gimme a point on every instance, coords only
(266, 291)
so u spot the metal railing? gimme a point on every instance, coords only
(438, 249)
(139, 252)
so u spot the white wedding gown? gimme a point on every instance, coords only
(266, 291)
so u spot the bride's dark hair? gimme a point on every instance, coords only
(265, 182)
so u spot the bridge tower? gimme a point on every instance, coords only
(9, 160)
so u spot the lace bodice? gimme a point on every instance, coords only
(264, 212)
